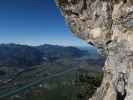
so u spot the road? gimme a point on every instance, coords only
(17, 90)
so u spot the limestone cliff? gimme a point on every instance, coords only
(108, 25)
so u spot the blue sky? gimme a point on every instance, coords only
(34, 22)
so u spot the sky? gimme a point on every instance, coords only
(34, 22)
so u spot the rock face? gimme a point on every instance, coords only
(108, 25)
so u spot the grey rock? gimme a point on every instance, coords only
(108, 24)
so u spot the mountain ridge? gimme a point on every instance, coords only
(25, 55)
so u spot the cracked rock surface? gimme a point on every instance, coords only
(108, 25)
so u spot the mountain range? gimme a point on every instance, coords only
(26, 56)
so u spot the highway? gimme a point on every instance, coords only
(16, 90)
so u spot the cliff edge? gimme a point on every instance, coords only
(108, 25)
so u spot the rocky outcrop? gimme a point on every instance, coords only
(108, 25)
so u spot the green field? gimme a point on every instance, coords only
(75, 85)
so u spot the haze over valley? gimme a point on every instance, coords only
(22, 65)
